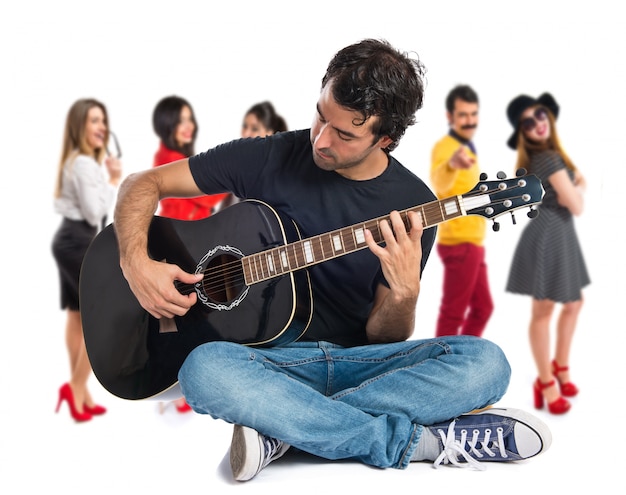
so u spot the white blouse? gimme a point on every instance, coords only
(86, 193)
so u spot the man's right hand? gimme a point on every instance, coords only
(152, 282)
(461, 160)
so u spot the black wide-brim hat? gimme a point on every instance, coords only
(517, 107)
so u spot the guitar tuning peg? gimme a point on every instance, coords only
(513, 218)
(495, 226)
(483, 176)
(532, 213)
(501, 175)
(520, 172)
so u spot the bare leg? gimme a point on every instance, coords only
(80, 367)
(566, 327)
(539, 335)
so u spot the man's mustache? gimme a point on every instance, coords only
(469, 126)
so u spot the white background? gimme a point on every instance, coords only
(223, 59)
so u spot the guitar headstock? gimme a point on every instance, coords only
(491, 199)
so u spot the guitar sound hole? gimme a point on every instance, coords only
(224, 279)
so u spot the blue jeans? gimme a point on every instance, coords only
(364, 403)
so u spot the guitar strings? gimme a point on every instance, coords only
(231, 274)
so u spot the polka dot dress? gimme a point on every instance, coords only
(548, 262)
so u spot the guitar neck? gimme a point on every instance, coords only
(313, 250)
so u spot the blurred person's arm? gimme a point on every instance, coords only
(447, 159)
(569, 194)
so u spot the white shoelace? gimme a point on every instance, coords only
(272, 450)
(453, 448)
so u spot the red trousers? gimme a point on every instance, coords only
(466, 302)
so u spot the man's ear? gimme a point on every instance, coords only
(449, 117)
(384, 141)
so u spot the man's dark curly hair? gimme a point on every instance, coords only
(375, 79)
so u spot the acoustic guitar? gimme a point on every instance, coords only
(255, 289)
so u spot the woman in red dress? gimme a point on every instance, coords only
(174, 122)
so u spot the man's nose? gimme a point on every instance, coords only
(322, 139)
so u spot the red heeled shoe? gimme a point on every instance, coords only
(66, 394)
(567, 389)
(559, 406)
(184, 408)
(96, 410)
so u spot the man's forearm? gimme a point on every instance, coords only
(393, 321)
(137, 202)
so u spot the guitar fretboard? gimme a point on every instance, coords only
(313, 250)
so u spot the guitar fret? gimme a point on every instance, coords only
(270, 263)
(441, 213)
(337, 243)
(450, 208)
(352, 238)
(245, 264)
(284, 260)
(276, 260)
(256, 268)
(376, 232)
(305, 252)
(308, 252)
(261, 266)
(318, 249)
(327, 246)
(293, 258)
(264, 267)
(353, 241)
(420, 214)
(300, 255)
(345, 240)
(293, 255)
(359, 236)
(433, 213)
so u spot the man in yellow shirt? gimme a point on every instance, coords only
(466, 302)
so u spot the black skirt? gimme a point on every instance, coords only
(69, 246)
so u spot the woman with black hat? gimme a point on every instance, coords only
(548, 263)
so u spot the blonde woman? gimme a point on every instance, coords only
(548, 263)
(85, 191)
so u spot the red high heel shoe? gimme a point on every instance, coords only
(567, 389)
(184, 408)
(558, 406)
(96, 410)
(66, 394)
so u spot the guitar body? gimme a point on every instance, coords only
(136, 356)
(255, 288)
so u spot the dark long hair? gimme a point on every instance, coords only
(165, 118)
(266, 114)
(375, 79)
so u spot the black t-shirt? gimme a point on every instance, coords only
(280, 171)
